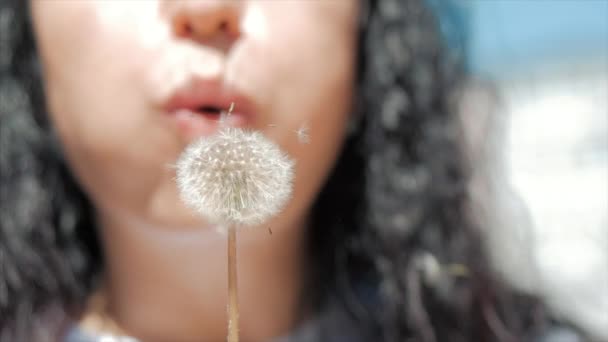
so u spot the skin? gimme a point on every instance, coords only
(109, 65)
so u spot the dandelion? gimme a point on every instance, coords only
(235, 177)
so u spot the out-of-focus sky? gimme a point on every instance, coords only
(513, 34)
(549, 62)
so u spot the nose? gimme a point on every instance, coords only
(205, 21)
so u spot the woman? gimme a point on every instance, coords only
(375, 244)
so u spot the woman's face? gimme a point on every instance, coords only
(130, 84)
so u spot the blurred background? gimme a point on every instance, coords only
(547, 66)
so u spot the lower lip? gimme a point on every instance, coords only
(193, 125)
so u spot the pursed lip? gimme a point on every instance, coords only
(197, 105)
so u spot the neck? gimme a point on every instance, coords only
(169, 285)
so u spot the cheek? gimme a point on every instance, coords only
(91, 91)
(313, 74)
(95, 99)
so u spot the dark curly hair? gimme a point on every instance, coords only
(386, 230)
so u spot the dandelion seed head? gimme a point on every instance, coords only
(235, 177)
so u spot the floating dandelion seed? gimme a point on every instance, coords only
(235, 178)
(225, 115)
(302, 133)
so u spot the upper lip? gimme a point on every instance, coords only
(209, 97)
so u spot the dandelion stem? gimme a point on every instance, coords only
(233, 305)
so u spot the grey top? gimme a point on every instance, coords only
(313, 330)
(309, 331)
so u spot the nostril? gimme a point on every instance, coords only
(223, 26)
(187, 30)
(182, 27)
(206, 23)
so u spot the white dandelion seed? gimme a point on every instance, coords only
(302, 133)
(224, 115)
(235, 177)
